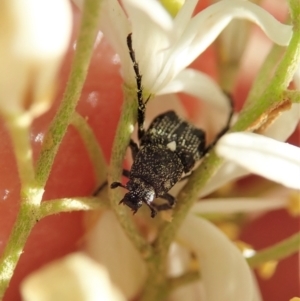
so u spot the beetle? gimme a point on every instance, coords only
(167, 153)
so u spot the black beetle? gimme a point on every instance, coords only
(167, 151)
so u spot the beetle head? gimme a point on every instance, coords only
(132, 201)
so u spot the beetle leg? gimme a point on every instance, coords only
(152, 208)
(171, 200)
(114, 185)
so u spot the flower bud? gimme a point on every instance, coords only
(34, 36)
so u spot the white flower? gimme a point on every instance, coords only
(233, 168)
(264, 156)
(164, 46)
(75, 277)
(222, 266)
(238, 205)
(106, 242)
(31, 49)
(224, 272)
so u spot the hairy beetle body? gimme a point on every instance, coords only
(168, 150)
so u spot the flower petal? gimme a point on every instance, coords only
(264, 156)
(115, 27)
(297, 78)
(224, 271)
(164, 103)
(228, 172)
(178, 260)
(183, 16)
(75, 277)
(108, 244)
(257, 294)
(237, 205)
(197, 84)
(32, 47)
(214, 112)
(207, 25)
(152, 34)
(192, 292)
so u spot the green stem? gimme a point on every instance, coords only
(279, 251)
(92, 146)
(121, 141)
(274, 92)
(295, 13)
(31, 196)
(265, 74)
(58, 127)
(293, 96)
(26, 219)
(157, 286)
(70, 204)
(288, 65)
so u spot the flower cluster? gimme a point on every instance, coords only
(165, 45)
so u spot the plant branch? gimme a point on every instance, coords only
(278, 251)
(58, 127)
(292, 95)
(26, 219)
(70, 204)
(92, 146)
(121, 141)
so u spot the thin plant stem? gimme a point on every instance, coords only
(92, 146)
(278, 251)
(58, 127)
(265, 74)
(26, 219)
(121, 141)
(70, 204)
(30, 194)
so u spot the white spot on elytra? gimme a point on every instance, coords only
(172, 146)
